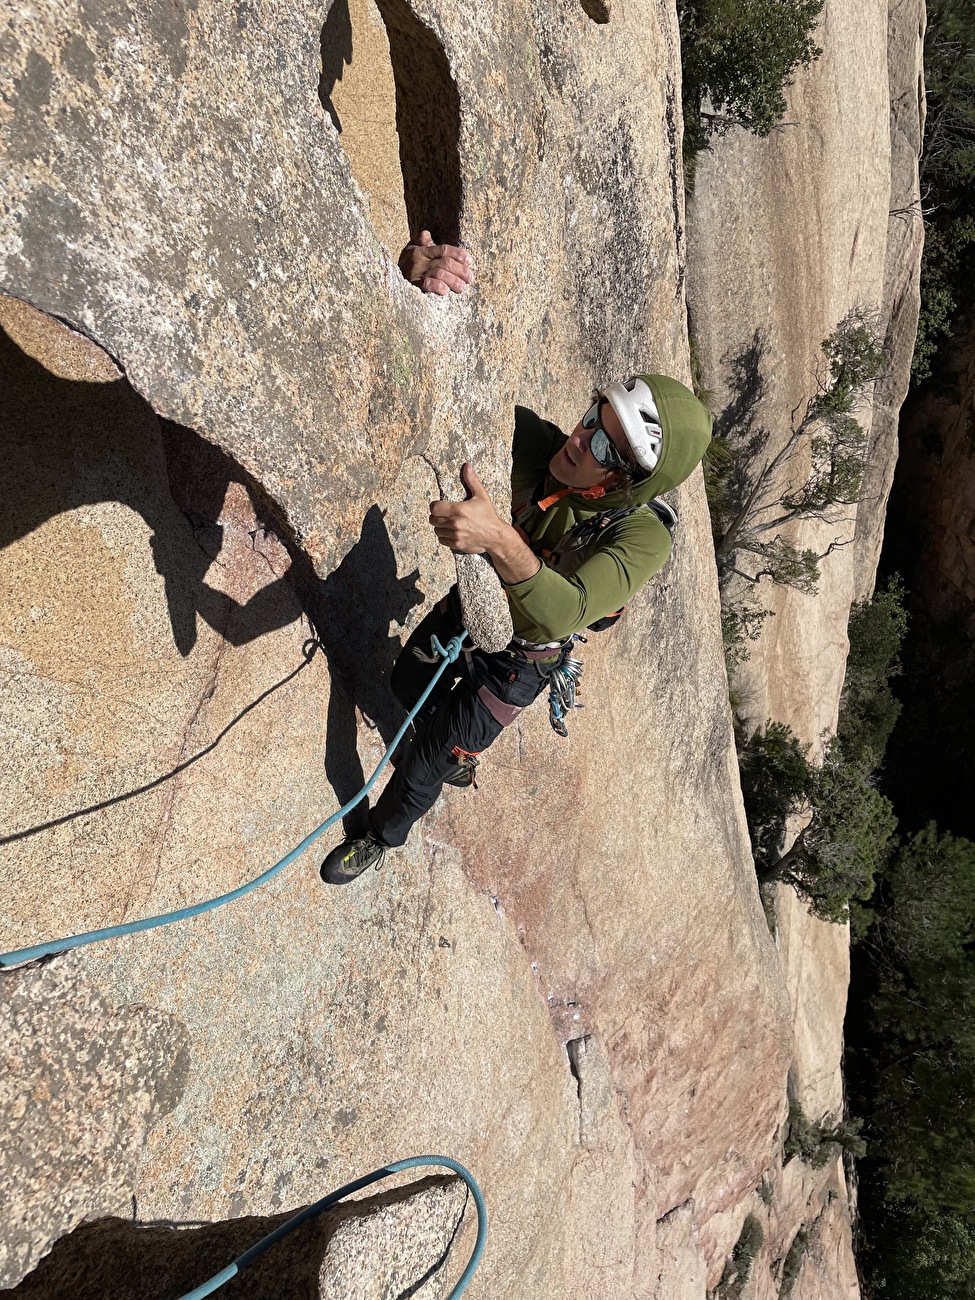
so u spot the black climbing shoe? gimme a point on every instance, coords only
(351, 858)
(462, 775)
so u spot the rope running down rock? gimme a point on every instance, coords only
(448, 653)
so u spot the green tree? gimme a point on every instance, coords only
(947, 175)
(944, 268)
(849, 824)
(819, 467)
(738, 56)
(777, 780)
(923, 1252)
(818, 1143)
(924, 1051)
(948, 155)
(868, 708)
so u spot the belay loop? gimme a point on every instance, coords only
(563, 686)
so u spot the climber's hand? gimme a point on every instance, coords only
(437, 268)
(471, 527)
(474, 527)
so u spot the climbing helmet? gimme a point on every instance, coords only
(633, 402)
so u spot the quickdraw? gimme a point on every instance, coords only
(563, 687)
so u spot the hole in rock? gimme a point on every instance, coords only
(387, 87)
(576, 1049)
(597, 10)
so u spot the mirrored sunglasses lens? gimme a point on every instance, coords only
(591, 416)
(604, 451)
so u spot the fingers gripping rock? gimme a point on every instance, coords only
(484, 605)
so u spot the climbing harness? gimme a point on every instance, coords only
(312, 1211)
(563, 686)
(449, 655)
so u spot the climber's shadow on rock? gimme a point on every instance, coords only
(68, 444)
(352, 611)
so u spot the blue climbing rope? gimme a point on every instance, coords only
(311, 1211)
(448, 653)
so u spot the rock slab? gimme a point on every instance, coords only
(380, 1247)
(81, 1083)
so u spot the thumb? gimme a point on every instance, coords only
(470, 481)
(425, 240)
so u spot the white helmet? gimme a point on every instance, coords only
(633, 403)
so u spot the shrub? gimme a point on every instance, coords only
(739, 56)
(742, 620)
(868, 708)
(738, 1266)
(850, 824)
(818, 1144)
(717, 464)
(793, 1260)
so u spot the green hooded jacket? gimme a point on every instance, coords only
(551, 605)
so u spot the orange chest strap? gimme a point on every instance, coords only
(588, 494)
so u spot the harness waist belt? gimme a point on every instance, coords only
(540, 656)
(499, 711)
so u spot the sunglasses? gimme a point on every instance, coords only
(601, 445)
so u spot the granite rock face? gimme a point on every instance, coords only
(81, 1083)
(900, 300)
(832, 205)
(177, 189)
(373, 1248)
(819, 209)
(228, 414)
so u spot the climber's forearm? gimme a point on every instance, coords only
(513, 560)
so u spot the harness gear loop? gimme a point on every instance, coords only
(563, 686)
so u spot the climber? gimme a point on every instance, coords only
(587, 533)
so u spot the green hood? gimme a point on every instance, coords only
(686, 423)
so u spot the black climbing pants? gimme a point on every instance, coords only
(470, 706)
